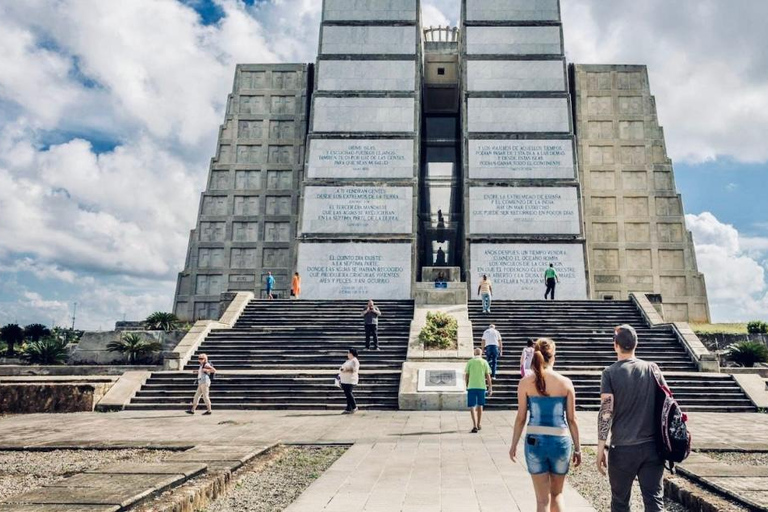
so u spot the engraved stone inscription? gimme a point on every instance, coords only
(521, 159)
(524, 210)
(517, 270)
(360, 158)
(358, 210)
(355, 270)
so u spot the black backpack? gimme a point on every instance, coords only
(673, 440)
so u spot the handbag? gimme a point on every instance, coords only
(337, 381)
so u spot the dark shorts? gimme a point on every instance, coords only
(475, 397)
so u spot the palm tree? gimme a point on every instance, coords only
(12, 335)
(48, 350)
(160, 321)
(135, 347)
(36, 332)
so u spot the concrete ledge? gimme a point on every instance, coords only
(410, 399)
(180, 356)
(706, 360)
(121, 393)
(755, 388)
(70, 371)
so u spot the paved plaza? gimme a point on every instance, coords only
(408, 461)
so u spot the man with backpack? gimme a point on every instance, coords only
(628, 410)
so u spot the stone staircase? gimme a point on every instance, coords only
(285, 355)
(583, 331)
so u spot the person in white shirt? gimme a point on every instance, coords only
(526, 358)
(204, 372)
(349, 376)
(493, 348)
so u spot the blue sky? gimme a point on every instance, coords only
(109, 114)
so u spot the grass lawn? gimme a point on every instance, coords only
(719, 328)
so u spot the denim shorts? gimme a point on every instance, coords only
(475, 397)
(548, 454)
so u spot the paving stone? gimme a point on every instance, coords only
(188, 470)
(94, 489)
(714, 470)
(59, 508)
(741, 484)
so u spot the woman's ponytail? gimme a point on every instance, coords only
(543, 352)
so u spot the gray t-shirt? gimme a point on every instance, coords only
(633, 386)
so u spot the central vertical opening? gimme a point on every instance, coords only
(441, 194)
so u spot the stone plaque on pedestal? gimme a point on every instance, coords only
(524, 210)
(358, 210)
(355, 270)
(516, 271)
(360, 158)
(521, 159)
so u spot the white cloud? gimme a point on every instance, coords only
(736, 278)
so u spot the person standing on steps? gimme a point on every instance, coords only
(477, 379)
(551, 279)
(493, 348)
(349, 376)
(270, 285)
(296, 286)
(485, 291)
(628, 412)
(371, 315)
(526, 358)
(204, 372)
(552, 438)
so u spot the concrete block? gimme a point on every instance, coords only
(366, 75)
(537, 115)
(514, 41)
(189, 470)
(364, 115)
(517, 270)
(516, 75)
(355, 270)
(361, 210)
(521, 159)
(367, 10)
(361, 158)
(513, 10)
(368, 40)
(524, 210)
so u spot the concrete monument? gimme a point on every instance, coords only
(450, 152)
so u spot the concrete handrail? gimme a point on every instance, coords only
(706, 360)
(186, 348)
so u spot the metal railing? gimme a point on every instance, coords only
(441, 34)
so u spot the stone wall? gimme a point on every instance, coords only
(247, 220)
(634, 217)
(521, 190)
(358, 222)
(54, 396)
(92, 348)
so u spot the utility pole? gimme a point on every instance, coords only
(74, 314)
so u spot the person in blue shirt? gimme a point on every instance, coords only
(270, 285)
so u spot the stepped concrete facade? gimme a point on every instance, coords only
(403, 152)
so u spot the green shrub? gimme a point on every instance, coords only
(48, 350)
(747, 353)
(135, 347)
(757, 327)
(3, 348)
(440, 333)
(160, 321)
